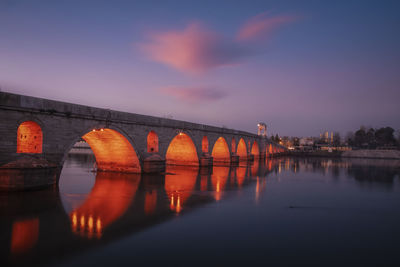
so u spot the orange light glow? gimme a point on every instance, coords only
(150, 202)
(255, 150)
(240, 175)
(152, 142)
(204, 144)
(254, 168)
(24, 235)
(110, 197)
(270, 149)
(113, 151)
(242, 150)
(29, 138)
(179, 185)
(182, 151)
(219, 179)
(220, 152)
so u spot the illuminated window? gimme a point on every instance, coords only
(204, 144)
(29, 138)
(152, 142)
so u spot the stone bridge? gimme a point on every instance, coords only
(37, 133)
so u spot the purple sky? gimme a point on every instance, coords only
(302, 67)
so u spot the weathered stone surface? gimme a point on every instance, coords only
(63, 124)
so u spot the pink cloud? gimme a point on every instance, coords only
(194, 95)
(193, 49)
(261, 26)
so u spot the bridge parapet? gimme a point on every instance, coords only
(120, 140)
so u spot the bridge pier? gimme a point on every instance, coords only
(154, 164)
(234, 159)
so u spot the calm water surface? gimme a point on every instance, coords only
(279, 212)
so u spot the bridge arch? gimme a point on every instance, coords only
(29, 137)
(255, 150)
(113, 149)
(152, 142)
(182, 151)
(220, 152)
(242, 149)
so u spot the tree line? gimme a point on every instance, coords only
(373, 138)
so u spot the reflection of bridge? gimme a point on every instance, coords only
(37, 131)
(36, 227)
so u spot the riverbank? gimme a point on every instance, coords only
(372, 154)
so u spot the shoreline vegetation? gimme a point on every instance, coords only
(361, 153)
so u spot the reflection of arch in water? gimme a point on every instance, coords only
(150, 202)
(112, 150)
(254, 168)
(182, 151)
(219, 178)
(179, 184)
(241, 175)
(109, 199)
(220, 152)
(255, 150)
(242, 150)
(29, 137)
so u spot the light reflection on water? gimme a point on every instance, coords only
(328, 205)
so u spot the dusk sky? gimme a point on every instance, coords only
(302, 67)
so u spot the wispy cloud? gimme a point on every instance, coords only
(196, 49)
(262, 25)
(193, 49)
(195, 94)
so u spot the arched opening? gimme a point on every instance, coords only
(204, 144)
(255, 150)
(233, 145)
(270, 149)
(179, 184)
(220, 152)
(242, 150)
(182, 151)
(152, 142)
(29, 138)
(219, 178)
(113, 151)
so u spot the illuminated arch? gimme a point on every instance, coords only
(255, 150)
(29, 138)
(204, 144)
(270, 149)
(233, 145)
(179, 184)
(182, 151)
(113, 151)
(220, 152)
(152, 142)
(242, 150)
